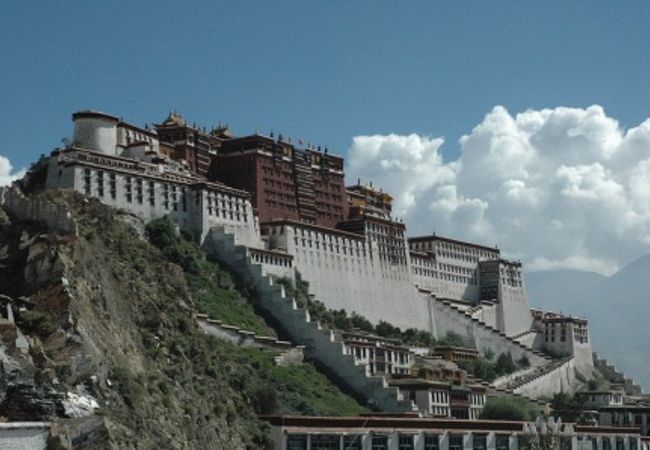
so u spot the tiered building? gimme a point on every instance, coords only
(288, 204)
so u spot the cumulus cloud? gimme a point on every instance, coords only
(7, 174)
(557, 188)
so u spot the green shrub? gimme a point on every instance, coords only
(508, 408)
(524, 362)
(452, 339)
(214, 289)
(505, 364)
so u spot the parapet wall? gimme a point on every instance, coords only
(35, 209)
(289, 354)
(24, 435)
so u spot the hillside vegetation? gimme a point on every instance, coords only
(111, 316)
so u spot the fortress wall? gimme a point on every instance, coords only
(346, 272)
(33, 209)
(560, 379)
(484, 338)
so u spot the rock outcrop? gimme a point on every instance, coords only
(98, 336)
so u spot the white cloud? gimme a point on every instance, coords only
(558, 188)
(7, 175)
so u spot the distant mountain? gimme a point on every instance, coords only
(617, 307)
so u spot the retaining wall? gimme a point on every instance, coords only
(289, 354)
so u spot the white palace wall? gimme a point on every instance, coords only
(344, 271)
(146, 191)
(513, 314)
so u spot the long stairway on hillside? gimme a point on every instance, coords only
(321, 346)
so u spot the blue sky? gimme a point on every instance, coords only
(323, 72)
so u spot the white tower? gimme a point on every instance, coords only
(95, 131)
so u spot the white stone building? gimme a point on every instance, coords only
(492, 287)
(407, 433)
(379, 355)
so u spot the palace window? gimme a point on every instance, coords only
(297, 442)
(112, 185)
(166, 196)
(129, 190)
(100, 183)
(138, 187)
(352, 442)
(456, 442)
(174, 199)
(479, 442)
(405, 442)
(502, 442)
(325, 442)
(87, 182)
(152, 195)
(379, 442)
(431, 442)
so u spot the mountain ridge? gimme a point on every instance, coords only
(615, 307)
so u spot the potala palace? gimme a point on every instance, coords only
(274, 209)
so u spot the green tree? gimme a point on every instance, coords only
(452, 339)
(505, 364)
(568, 407)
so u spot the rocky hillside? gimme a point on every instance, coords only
(105, 343)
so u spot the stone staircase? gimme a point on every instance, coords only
(518, 383)
(477, 308)
(501, 391)
(523, 333)
(321, 346)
